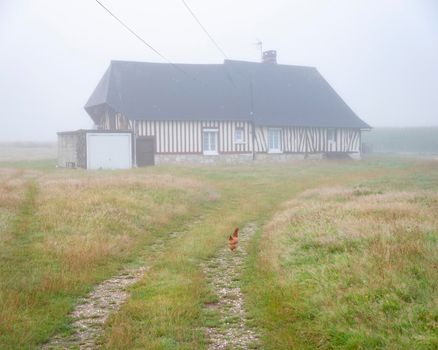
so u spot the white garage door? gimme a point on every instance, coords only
(109, 151)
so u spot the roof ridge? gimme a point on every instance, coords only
(225, 62)
(228, 61)
(164, 63)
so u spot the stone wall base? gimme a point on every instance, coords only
(202, 159)
(237, 158)
(355, 156)
(278, 157)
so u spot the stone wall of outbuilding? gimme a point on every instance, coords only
(72, 149)
(67, 150)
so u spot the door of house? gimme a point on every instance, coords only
(210, 142)
(145, 150)
(331, 140)
(274, 140)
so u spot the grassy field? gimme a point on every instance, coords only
(26, 151)
(64, 232)
(352, 267)
(345, 255)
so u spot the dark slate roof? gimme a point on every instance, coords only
(269, 94)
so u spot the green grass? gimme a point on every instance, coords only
(74, 219)
(351, 267)
(68, 231)
(39, 164)
(167, 307)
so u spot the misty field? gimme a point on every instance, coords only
(344, 254)
(420, 140)
(12, 152)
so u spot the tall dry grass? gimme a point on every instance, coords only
(13, 185)
(354, 268)
(65, 231)
(165, 310)
(72, 229)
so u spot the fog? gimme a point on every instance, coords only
(380, 56)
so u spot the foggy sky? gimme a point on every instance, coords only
(381, 56)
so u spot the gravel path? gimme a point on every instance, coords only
(91, 313)
(223, 274)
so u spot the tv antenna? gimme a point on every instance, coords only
(259, 45)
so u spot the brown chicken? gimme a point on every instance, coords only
(233, 240)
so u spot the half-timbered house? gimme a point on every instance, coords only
(232, 111)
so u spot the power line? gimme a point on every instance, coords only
(228, 73)
(140, 38)
(250, 80)
(204, 29)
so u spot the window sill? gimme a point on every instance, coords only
(273, 151)
(210, 154)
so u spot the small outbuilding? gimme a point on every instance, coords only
(96, 149)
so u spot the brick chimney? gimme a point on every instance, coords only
(269, 57)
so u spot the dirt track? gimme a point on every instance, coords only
(223, 273)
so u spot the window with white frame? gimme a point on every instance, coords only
(210, 141)
(274, 140)
(239, 135)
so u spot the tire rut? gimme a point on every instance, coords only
(223, 273)
(91, 312)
